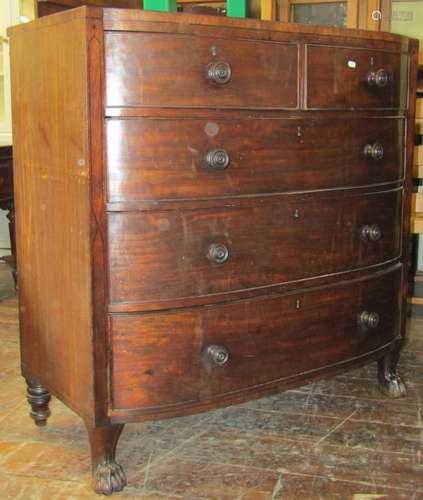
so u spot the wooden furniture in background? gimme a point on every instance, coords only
(209, 210)
(235, 8)
(6, 201)
(46, 7)
(363, 14)
(417, 199)
(417, 218)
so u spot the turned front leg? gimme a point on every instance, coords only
(390, 382)
(107, 475)
(39, 398)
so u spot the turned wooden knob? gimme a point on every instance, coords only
(218, 253)
(379, 78)
(369, 319)
(373, 232)
(217, 159)
(373, 151)
(219, 72)
(218, 354)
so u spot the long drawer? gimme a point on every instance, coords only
(191, 355)
(150, 69)
(163, 255)
(194, 158)
(348, 78)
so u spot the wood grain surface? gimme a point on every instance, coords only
(265, 155)
(163, 255)
(161, 359)
(146, 69)
(51, 169)
(337, 78)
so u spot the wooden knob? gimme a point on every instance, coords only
(218, 253)
(217, 159)
(369, 319)
(218, 354)
(373, 232)
(373, 151)
(379, 78)
(219, 72)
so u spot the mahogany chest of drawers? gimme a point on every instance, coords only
(229, 204)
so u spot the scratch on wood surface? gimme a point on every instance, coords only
(367, 496)
(336, 427)
(278, 487)
(183, 443)
(14, 408)
(147, 472)
(419, 422)
(309, 395)
(419, 411)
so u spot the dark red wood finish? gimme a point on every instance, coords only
(265, 156)
(47, 7)
(337, 78)
(145, 69)
(164, 255)
(161, 360)
(121, 121)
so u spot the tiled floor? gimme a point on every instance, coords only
(336, 439)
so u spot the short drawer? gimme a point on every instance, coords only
(150, 69)
(167, 359)
(188, 253)
(346, 78)
(195, 158)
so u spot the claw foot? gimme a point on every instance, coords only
(108, 477)
(391, 385)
